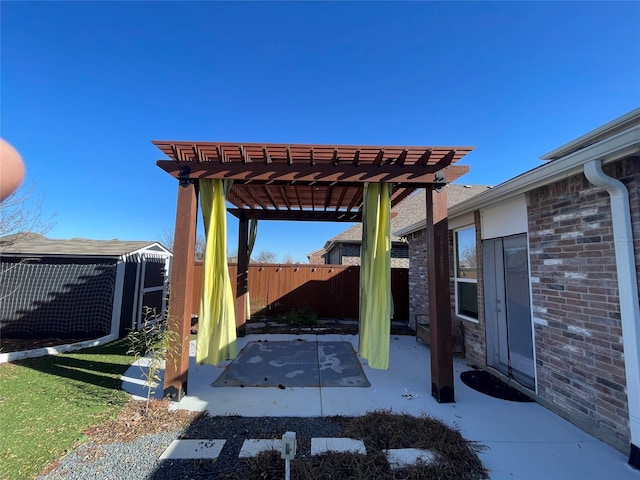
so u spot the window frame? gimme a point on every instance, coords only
(459, 280)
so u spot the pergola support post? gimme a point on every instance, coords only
(179, 321)
(441, 341)
(242, 277)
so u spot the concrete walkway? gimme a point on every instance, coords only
(524, 440)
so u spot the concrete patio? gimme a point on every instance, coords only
(522, 440)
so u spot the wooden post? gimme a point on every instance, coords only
(242, 277)
(441, 341)
(177, 365)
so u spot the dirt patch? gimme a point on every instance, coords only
(136, 419)
(21, 344)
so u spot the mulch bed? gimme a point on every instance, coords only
(456, 458)
(484, 382)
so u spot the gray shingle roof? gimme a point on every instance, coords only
(73, 247)
(411, 210)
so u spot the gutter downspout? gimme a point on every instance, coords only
(628, 293)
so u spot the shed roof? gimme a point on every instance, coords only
(81, 247)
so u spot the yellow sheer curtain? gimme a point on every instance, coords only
(217, 320)
(375, 276)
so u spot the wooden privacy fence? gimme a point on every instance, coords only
(331, 291)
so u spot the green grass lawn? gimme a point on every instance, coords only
(46, 403)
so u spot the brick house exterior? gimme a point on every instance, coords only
(585, 334)
(577, 324)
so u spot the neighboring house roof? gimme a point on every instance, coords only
(75, 247)
(315, 253)
(613, 141)
(409, 211)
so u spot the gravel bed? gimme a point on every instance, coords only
(138, 460)
(131, 460)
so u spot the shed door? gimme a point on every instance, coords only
(508, 308)
(152, 289)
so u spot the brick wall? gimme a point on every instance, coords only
(578, 336)
(350, 255)
(317, 258)
(419, 288)
(418, 283)
(577, 329)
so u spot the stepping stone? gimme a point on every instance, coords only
(405, 457)
(252, 447)
(192, 449)
(322, 445)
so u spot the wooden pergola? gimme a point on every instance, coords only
(307, 183)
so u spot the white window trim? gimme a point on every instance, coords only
(457, 280)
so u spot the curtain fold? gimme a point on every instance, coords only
(253, 233)
(216, 340)
(375, 276)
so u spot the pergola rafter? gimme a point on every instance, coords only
(273, 201)
(284, 196)
(305, 182)
(279, 176)
(327, 198)
(240, 198)
(257, 201)
(341, 199)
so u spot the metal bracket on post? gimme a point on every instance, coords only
(440, 181)
(183, 176)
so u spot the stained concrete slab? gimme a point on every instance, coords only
(192, 449)
(296, 363)
(339, 366)
(322, 445)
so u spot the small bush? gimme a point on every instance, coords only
(303, 317)
(153, 340)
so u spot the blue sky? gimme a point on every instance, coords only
(86, 86)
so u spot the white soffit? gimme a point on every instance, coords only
(461, 221)
(504, 219)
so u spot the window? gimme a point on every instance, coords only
(466, 273)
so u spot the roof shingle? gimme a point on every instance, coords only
(73, 247)
(409, 211)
